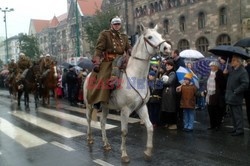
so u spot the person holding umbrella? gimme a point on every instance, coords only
(237, 84)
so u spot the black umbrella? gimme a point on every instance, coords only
(86, 64)
(65, 65)
(243, 42)
(229, 51)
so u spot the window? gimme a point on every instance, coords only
(248, 24)
(183, 45)
(145, 10)
(165, 26)
(138, 29)
(137, 13)
(141, 11)
(160, 5)
(152, 8)
(202, 44)
(64, 34)
(223, 16)
(151, 25)
(201, 20)
(156, 7)
(223, 39)
(182, 23)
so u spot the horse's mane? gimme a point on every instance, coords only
(136, 45)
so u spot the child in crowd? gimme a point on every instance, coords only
(154, 103)
(188, 93)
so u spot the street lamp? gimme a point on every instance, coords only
(5, 21)
(77, 33)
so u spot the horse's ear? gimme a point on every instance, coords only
(142, 28)
(156, 27)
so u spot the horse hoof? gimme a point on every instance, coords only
(90, 141)
(147, 156)
(125, 159)
(107, 147)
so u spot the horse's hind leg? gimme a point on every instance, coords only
(143, 113)
(89, 130)
(103, 120)
(125, 112)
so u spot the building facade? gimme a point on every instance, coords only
(58, 36)
(194, 24)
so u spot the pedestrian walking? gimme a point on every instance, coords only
(72, 82)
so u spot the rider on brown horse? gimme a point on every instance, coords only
(12, 70)
(24, 63)
(45, 65)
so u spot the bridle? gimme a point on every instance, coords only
(146, 41)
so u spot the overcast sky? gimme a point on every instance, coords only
(24, 10)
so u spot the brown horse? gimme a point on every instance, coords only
(29, 84)
(49, 82)
(12, 85)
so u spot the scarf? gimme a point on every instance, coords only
(211, 87)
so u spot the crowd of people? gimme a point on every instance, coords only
(221, 93)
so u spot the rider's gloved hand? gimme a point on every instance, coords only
(96, 61)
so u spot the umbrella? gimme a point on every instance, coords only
(4, 72)
(86, 64)
(243, 42)
(181, 73)
(229, 51)
(65, 65)
(202, 68)
(192, 54)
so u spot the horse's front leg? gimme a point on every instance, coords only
(143, 113)
(105, 112)
(125, 112)
(89, 130)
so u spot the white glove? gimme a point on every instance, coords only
(165, 78)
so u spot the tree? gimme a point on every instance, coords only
(99, 22)
(29, 46)
(1, 64)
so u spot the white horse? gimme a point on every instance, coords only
(127, 100)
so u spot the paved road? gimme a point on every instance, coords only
(57, 137)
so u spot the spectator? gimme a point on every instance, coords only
(168, 105)
(178, 61)
(247, 93)
(237, 83)
(215, 96)
(188, 93)
(72, 82)
(155, 98)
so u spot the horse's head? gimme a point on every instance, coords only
(154, 41)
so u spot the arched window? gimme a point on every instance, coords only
(156, 7)
(151, 25)
(141, 11)
(202, 44)
(145, 10)
(160, 5)
(201, 20)
(223, 39)
(166, 26)
(223, 16)
(137, 12)
(182, 23)
(152, 8)
(183, 45)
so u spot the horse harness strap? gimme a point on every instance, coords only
(143, 99)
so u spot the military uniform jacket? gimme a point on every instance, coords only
(112, 42)
(12, 67)
(24, 63)
(46, 63)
